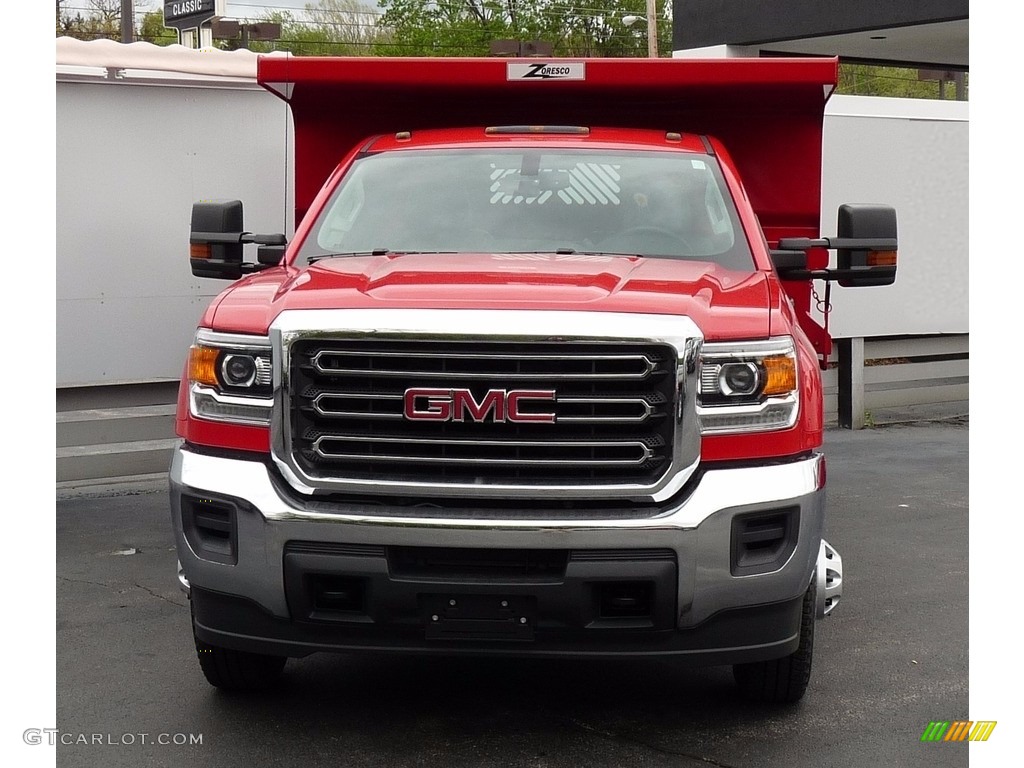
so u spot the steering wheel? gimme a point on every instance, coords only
(655, 239)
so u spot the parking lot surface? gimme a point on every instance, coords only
(892, 657)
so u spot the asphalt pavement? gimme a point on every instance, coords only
(891, 658)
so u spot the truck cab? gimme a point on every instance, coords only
(534, 383)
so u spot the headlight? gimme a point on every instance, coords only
(230, 378)
(749, 386)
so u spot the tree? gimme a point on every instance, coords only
(101, 20)
(331, 28)
(467, 27)
(452, 27)
(152, 29)
(875, 80)
(595, 28)
(350, 27)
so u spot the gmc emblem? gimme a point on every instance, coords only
(498, 405)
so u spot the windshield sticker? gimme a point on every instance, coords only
(584, 183)
(545, 70)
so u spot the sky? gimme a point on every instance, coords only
(251, 8)
(248, 9)
(256, 8)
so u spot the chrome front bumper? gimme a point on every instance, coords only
(698, 528)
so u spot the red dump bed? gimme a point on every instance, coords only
(767, 112)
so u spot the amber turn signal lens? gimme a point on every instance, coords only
(881, 258)
(780, 375)
(199, 250)
(202, 365)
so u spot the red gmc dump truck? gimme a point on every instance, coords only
(538, 373)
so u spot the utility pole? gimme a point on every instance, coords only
(652, 29)
(127, 21)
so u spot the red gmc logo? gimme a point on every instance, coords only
(497, 405)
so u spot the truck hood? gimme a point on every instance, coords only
(725, 304)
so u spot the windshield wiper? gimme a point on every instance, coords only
(374, 252)
(345, 254)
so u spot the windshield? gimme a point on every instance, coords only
(669, 205)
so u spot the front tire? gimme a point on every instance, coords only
(232, 670)
(782, 681)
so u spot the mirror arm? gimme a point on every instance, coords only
(835, 274)
(833, 243)
(250, 237)
(238, 237)
(215, 237)
(788, 268)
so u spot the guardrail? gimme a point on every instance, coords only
(879, 379)
(114, 432)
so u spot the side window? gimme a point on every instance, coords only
(716, 213)
(716, 209)
(340, 218)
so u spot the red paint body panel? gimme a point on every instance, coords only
(808, 432)
(762, 117)
(767, 111)
(230, 436)
(201, 432)
(727, 304)
(181, 416)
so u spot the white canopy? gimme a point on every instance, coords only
(113, 60)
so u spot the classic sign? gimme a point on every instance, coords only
(189, 14)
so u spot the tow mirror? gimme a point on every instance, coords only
(217, 239)
(874, 264)
(865, 249)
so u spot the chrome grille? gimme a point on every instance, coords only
(612, 407)
(467, 365)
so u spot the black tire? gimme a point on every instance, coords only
(782, 681)
(232, 670)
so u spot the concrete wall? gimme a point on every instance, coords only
(912, 154)
(131, 160)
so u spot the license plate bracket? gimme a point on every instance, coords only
(480, 617)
